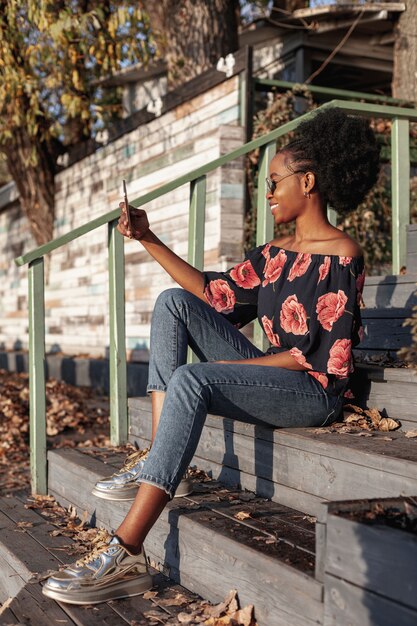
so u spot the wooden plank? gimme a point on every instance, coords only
(11, 581)
(385, 334)
(388, 293)
(348, 605)
(364, 554)
(26, 556)
(391, 313)
(287, 596)
(92, 615)
(7, 617)
(15, 510)
(31, 607)
(235, 477)
(399, 458)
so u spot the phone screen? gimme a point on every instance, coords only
(127, 207)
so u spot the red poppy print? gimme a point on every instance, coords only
(300, 266)
(330, 307)
(300, 358)
(272, 337)
(321, 378)
(265, 251)
(293, 316)
(273, 268)
(340, 358)
(324, 269)
(245, 276)
(220, 296)
(345, 260)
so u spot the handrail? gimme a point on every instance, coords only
(330, 91)
(351, 107)
(197, 178)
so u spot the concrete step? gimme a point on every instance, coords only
(298, 467)
(269, 556)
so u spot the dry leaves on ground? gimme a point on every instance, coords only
(73, 414)
(362, 422)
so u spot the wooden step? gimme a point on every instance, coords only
(29, 553)
(298, 467)
(268, 557)
(389, 389)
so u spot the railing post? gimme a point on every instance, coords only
(400, 191)
(117, 351)
(37, 399)
(197, 216)
(196, 223)
(264, 221)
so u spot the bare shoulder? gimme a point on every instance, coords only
(343, 245)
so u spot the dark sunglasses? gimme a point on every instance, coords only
(272, 184)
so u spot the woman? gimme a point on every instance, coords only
(304, 288)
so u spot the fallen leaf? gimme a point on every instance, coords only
(411, 433)
(387, 423)
(353, 407)
(375, 416)
(149, 595)
(179, 600)
(242, 515)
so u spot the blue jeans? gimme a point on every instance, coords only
(256, 394)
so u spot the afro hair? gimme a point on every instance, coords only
(342, 152)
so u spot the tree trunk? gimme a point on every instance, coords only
(404, 83)
(35, 183)
(193, 34)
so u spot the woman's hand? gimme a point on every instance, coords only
(138, 219)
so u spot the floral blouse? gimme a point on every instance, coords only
(306, 303)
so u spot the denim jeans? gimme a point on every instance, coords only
(256, 394)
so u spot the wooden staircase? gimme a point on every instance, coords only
(260, 524)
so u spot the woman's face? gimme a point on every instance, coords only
(287, 200)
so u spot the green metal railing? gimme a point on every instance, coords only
(197, 179)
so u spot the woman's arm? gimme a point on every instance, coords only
(281, 359)
(182, 272)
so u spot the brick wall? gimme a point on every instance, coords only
(76, 297)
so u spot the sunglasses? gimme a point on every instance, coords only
(272, 184)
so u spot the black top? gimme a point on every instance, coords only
(306, 303)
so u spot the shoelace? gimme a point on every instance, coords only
(92, 556)
(132, 459)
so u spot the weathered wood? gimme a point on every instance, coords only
(225, 562)
(348, 605)
(386, 334)
(235, 477)
(15, 510)
(26, 557)
(373, 556)
(31, 607)
(92, 615)
(276, 445)
(390, 291)
(7, 617)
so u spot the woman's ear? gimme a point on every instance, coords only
(308, 182)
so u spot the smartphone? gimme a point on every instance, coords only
(127, 207)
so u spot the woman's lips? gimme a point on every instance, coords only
(274, 206)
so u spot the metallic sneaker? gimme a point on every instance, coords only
(124, 483)
(107, 573)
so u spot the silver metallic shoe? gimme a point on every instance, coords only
(124, 483)
(107, 573)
